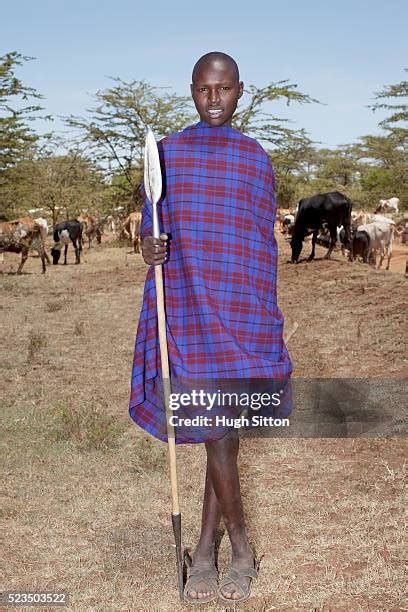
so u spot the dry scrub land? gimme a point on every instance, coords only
(85, 496)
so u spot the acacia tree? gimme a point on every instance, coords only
(67, 184)
(18, 107)
(337, 168)
(61, 184)
(290, 149)
(257, 122)
(16, 137)
(293, 163)
(399, 109)
(383, 165)
(386, 172)
(115, 130)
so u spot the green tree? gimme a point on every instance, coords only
(384, 164)
(337, 168)
(16, 137)
(255, 121)
(115, 129)
(62, 184)
(399, 108)
(293, 163)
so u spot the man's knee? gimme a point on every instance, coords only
(225, 449)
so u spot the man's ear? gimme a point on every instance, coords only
(191, 88)
(240, 89)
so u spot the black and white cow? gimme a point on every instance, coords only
(288, 223)
(329, 210)
(64, 233)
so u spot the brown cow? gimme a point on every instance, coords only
(19, 236)
(131, 228)
(91, 228)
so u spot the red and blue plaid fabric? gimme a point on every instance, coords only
(218, 207)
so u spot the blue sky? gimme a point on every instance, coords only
(337, 52)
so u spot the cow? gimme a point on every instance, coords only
(280, 215)
(324, 239)
(114, 221)
(332, 209)
(43, 225)
(376, 217)
(392, 205)
(358, 218)
(91, 229)
(288, 222)
(19, 236)
(381, 237)
(64, 233)
(131, 228)
(111, 224)
(360, 246)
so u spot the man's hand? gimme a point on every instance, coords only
(154, 250)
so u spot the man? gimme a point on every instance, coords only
(217, 209)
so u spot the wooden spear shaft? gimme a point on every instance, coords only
(161, 315)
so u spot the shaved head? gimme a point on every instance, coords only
(216, 88)
(218, 60)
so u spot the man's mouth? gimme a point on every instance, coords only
(215, 112)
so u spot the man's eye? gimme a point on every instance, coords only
(202, 89)
(226, 88)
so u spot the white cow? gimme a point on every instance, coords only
(380, 218)
(381, 237)
(391, 205)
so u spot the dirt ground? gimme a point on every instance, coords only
(399, 258)
(85, 504)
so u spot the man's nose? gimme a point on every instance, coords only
(214, 96)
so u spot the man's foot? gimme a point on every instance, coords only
(236, 584)
(202, 580)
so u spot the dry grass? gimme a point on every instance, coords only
(37, 343)
(85, 492)
(54, 306)
(79, 328)
(88, 428)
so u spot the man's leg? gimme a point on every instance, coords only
(203, 556)
(222, 469)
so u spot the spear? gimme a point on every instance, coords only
(153, 188)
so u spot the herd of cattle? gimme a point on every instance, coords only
(23, 234)
(328, 217)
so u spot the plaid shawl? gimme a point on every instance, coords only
(218, 206)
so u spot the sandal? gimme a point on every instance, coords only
(195, 575)
(237, 579)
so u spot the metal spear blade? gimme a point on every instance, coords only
(152, 176)
(152, 169)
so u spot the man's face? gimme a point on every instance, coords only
(215, 92)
